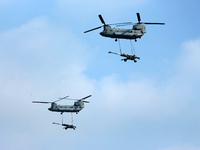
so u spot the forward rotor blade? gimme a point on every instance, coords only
(41, 102)
(86, 101)
(101, 18)
(154, 23)
(123, 23)
(50, 102)
(138, 17)
(63, 97)
(128, 24)
(93, 29)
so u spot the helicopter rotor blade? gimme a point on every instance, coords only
(102, 20)
(72, 99)
(127, 24)
(41, 102)
(138, 17)
(148, 23)
(154, 23)
(61, 99)
(80, 99)
(93, 29)
(85, 97)
(50, 102)
(122, 24)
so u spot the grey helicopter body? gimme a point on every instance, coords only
(137, 31)
(78, 105)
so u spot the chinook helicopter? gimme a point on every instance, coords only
(78, 105)
(137, 31)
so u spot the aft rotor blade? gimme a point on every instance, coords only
(154, 23)
(41, 102)
(101, 18)
(85, 97)
(138, 17)
(80, 99)
(93, 29)
(86, 101)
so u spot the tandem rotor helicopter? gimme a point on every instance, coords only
(78, 105)
(137, 31)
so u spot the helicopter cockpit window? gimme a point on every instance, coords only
(135, 28)
(76, 104)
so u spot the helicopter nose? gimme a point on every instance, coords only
(103, 33)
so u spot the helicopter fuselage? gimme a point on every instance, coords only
(78, 106)
(137, 31)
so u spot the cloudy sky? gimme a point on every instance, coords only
(152, 104)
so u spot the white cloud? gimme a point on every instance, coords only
(30, 37)
(151, 99)
(144, 97)
(189, 59)
(31, 56)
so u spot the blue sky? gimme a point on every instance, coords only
(152, 104)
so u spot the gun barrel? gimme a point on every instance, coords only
(113, 53)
